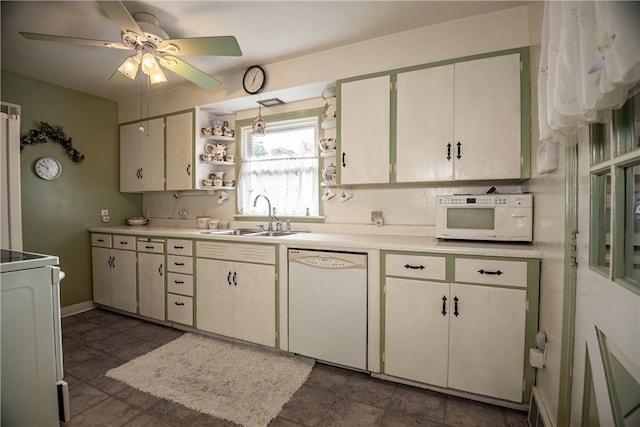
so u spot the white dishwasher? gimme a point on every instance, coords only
(328, 306)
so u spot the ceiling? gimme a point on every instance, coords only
(267, 32)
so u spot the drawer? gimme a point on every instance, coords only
(150, 246)
(179, 247)
(180, 264)
(101, 240)
(265, 254)
(180, 283)
(416, 266)
(180, 309)
(124, 242)
(491, 271)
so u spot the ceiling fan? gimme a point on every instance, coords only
(153, 47)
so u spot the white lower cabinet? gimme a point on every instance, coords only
(114, 271)
(236, 299)
(151, 274)
(469, 337)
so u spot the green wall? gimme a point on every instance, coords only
(56, 214)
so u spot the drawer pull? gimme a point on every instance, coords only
(455, 306)
(444, 305)
(150, 247)
(180, 264)
(100, 240)
(229, 278)
(178, 247)
(122, 242)
(414, 267)
(493, 273)
(178, 303)
(179, 282)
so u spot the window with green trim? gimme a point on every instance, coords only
(615, 195)
(282, 164)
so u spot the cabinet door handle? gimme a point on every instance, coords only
(444, 305)
(492, 273)
(234, 279)
(343, 158)
(141, 169)
(110, 261)
(160, 270)
(455, 306)
(229, 278)
(459, 155)
(179, 264)
(178, 303)
(449, 152)
(179, 282)
(414, 267)
(189, 170)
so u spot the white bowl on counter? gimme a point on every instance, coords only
(137, 220)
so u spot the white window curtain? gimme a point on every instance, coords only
(590, 60)
(290, 184)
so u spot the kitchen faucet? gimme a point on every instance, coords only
(271, 217)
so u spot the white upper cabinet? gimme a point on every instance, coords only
(459, 121)
(364, 125)
(487, 118)
(142, 156)
(179, 149)
(424, 134)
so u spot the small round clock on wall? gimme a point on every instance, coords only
(48, 168)
(254, 79)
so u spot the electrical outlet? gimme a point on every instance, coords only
(376, 215)
(104, 212)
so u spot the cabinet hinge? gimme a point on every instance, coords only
(384, 290)
(275, 277)
(521, 66)
(524, 384)
(573, 248)
(383, 360)
(526, 306)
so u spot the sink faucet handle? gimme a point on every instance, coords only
(261, 227)
(288, 225)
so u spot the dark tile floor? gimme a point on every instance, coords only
(98, 340)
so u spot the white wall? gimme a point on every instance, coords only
(402, 205)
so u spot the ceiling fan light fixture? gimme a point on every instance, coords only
(149, 63)
(157, 77)
(130, 67)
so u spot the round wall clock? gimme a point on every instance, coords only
(48, 168)
(254, 79)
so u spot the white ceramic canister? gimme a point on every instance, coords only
(202, 221)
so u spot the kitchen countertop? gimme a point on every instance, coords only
(341, 241)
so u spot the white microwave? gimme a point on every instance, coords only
(499, 217)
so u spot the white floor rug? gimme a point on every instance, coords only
(243, 384)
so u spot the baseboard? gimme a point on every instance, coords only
(538, 415)
(70, 310)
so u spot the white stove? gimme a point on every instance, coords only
(33, 390)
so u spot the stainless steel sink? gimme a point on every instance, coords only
(236, 232)
(249, 232)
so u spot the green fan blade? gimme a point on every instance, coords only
(73, 40)
(216, 46)
(189, 72)
(120, 14)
